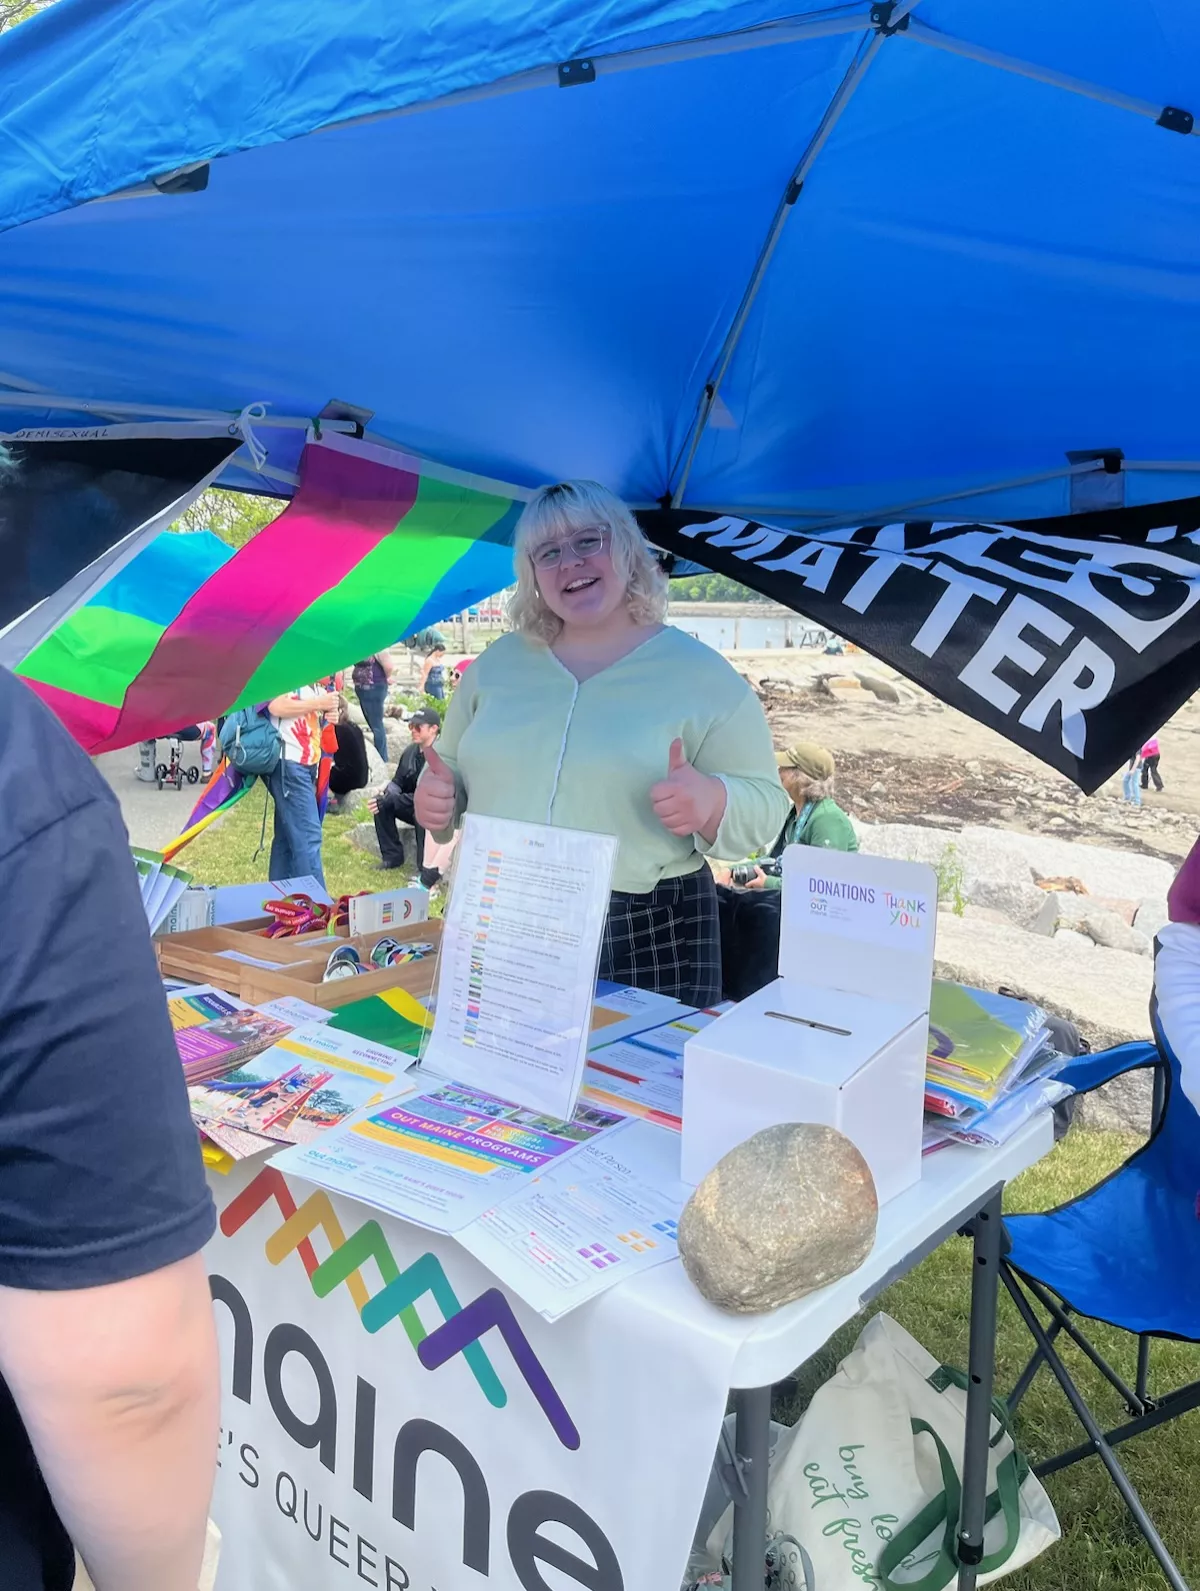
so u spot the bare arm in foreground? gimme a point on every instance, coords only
(118, 1389)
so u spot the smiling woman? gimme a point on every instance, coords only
(595, 715)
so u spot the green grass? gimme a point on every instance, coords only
(228, 853)
(1101, 1549)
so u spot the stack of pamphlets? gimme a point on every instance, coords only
(308, 1081)
(215, 1032)
(160, 883)
(643, 1075)
(990, 1065)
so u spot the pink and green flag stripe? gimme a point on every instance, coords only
(370, 549)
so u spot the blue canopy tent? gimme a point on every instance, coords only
(917, 260)
(823, 264)
(757, 260)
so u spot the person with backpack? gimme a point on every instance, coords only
(371, 679)
(296, 846)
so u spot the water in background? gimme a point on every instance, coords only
(718, 630)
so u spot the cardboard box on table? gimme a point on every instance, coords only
(840, 1038)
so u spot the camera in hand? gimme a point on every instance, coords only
(743, 873)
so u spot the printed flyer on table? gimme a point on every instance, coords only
(441, 1159)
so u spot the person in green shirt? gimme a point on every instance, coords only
(806, 772)
(593, 714)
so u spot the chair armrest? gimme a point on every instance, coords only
(1085, 1072)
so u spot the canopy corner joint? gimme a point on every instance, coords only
(1176, 120)
(572, 74)
(881, 19)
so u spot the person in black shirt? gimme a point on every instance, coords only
(350, 769)
(109, 1393)
(395, 801)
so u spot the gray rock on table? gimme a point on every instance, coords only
(791, 1209)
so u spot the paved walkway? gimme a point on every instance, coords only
(152, 816)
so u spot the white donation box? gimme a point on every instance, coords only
(840, 1037)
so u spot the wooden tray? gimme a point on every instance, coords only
(195, 954)
(302, 977)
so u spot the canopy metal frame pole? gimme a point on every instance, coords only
(787, 30)
(865, 54)
(877, 516)
(922, 33)
(35, 398)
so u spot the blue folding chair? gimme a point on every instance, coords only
(1126, 1253)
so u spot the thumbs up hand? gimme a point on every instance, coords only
(436, 797)
(688, 801)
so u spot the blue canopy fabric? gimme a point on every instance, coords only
(992, 261)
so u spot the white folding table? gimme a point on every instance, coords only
(960, 1188)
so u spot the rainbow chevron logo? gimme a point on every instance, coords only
(462, 1328)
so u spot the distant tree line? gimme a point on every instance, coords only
(712, 588)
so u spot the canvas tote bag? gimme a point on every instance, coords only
(868, 1483)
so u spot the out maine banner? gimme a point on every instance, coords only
(1076, 637)
(392, 1418)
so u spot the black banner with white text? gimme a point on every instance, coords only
(1076, 637)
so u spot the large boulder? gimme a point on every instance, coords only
(1110, 929)
(377, 772)
(1151, 915)
(984, 858)
(789, 1210)
(364, 838)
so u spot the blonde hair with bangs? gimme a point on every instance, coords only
(554, 512)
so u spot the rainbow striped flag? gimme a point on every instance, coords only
(374, 545)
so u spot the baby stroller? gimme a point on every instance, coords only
(174, 771)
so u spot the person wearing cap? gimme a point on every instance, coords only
(394, 803)
(806, 772)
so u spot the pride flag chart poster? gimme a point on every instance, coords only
(519, 953)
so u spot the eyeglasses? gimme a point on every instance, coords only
(585, 543)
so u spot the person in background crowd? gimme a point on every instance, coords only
(425, 640)
(1150, 756)
(433, 674)
(371, 678)
(205, 732)
(109, 1397)
(350, 769)
(296, 846)
(806, 772)
(1177, 973)
(591, 667)
(1131, 790)
(394, 803)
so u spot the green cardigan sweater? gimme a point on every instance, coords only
(526, 740)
